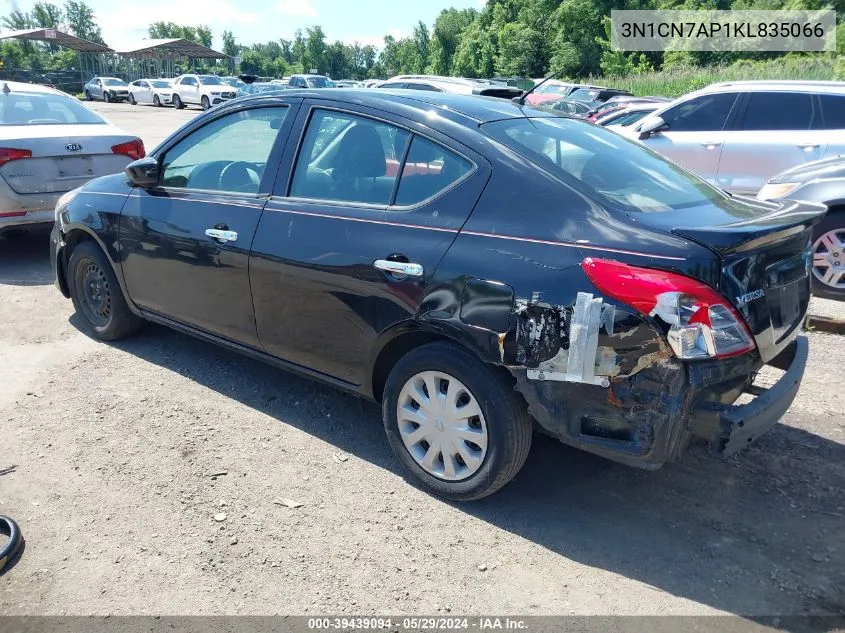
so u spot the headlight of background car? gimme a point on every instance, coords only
(215, 94)
(62, 202)
(773, 191)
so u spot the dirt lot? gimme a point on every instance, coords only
(112, 457)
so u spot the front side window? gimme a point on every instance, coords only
(604, 165)
(44, 108)
(345, 157)
(780, 111)
(229, 154)
(707, 113)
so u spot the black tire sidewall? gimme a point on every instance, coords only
(121, 321)
(205, 103)
(87, 95)
(495, 401)
(831, 221)
(107, 96)
(132, 99)
(156, 101)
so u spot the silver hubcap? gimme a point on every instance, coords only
(442, 426)
(829, 259)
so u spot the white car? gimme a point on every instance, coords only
(201, 90)
(158, 92)
(737, 135)
(50, 143)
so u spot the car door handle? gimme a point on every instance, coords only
(222, 235)
(714, 144)
(399, 268)
(808, 146)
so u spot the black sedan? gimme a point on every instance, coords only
(476, 266)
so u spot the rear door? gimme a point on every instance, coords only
(346, 249)
(773, 132)
(185, 243)
(696, 133)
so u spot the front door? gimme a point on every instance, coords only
(695, 133)
(347, 249)
(185, 243)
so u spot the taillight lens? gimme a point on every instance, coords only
(702, 324)
(132, 149)
(8, 154)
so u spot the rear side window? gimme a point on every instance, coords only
(43, 109)
(833, 110)
(707, 113)
(429, 169)
(780, 111)
(345, 157)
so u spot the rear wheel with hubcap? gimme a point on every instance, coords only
(97, 296)
(457, 425)
(829, 256)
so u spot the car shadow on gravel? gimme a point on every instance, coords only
(760, 534)
(25, 258)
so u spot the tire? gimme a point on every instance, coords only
(156, 101)
(88, 96)
(832, 225)
(132, 99)
(96, 294)
(504, 422)
(177, 102)
(206, 104)
(106, 96)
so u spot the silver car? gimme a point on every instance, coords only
(737, 135)
(106, 88)
(51, 143)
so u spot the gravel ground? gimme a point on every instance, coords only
(114, 460)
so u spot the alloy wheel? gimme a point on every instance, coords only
(442, 426)
(829, 259)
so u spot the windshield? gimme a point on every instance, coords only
(114, 82)
(160, 84)
(318, 82)
(210, 81)
(599, 161)
(33, 108)
(552, 90)
(583, 94)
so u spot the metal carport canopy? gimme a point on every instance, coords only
(160, 48)
(53, 36)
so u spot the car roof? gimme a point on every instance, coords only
(758, 85)
(478, 109)
(18, 86)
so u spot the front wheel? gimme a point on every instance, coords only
(206, 104)
(88, 96)
(177, 102)
(96, 294)
(829, 256)
(156, 101)
(107, 97)
(132, 99)
(456, 425)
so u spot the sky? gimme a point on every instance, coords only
(253, 21)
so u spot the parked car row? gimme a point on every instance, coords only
(189, 89)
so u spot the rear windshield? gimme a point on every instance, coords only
(160, 84)
(318, 82)
(114, 82)
(210, 81)
(603, 163)
(582, 94)
(36, 108)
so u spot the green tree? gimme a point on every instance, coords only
(204, 36)
(315, 49)
(422, 46)
(18, 20)
(475, 53)
(230, 47)
(82, 22)
(447, 32)
(47, 15)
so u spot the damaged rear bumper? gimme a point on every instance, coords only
(732, 428)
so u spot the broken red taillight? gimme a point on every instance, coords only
(8, 154)
(702, 323)
(132, 149)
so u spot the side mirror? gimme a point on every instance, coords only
(143, 172)
(652, 125)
